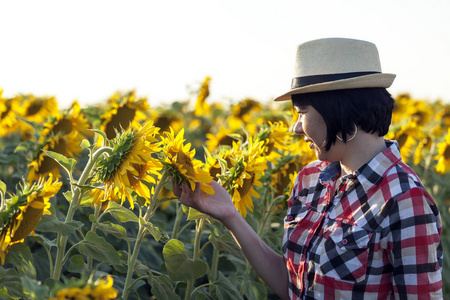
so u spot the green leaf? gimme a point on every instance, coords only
(225, 290)
(49, 223)
(33, 289)
(10, 284)
(253, 289)
(121, 213)
(179, 266)
(157, 233)
(77, 264)
(19, 255)
(227, 244)
(24, 146)
(162, 288)
(194, 214)
(99, 249)
(47, 243)
(67, 163)
(105, 138)
(85, 144)
(68, 196)
(2, 188)
(116, 230)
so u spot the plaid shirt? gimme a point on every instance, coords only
(375, 236)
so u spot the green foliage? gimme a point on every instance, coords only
(158, 249)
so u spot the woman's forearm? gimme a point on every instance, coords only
(268, 264)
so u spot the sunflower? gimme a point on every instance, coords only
(248, 164)
(421, 112)
(166, 119)
(125, 110)
(242, 114)
(201, 106)
(425, 142)
(404, 136)
(20, 214)
(281, 176)
(180, 162)
(8, 115)
(130, 164)
(99, 196)
(222, 137)
(43, 165)
(401, 107)
(62, 133)
(70, 123)
(276, 137)
(100, 289)
(443, 156)
(36, 110)
(300, 147)
(213, 161)
(442, 118)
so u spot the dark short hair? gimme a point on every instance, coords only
(368, 108)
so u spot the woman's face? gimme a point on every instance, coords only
(311, 124)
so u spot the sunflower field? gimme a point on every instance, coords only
(87, 210)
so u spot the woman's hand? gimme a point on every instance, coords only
(218, 206)
(269, 265)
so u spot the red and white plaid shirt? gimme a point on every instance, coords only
(375, 236)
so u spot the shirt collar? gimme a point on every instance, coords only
(371, 172)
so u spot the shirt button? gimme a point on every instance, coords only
(344, 241)
(290, 218)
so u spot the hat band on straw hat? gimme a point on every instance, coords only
(303, 81)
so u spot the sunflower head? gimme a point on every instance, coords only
(99, 289)
(70, 123)
(242, 114)
(130, 164)
(282, 173)
(223, 137)
(8, 115)
(247, 164)
(167, 119)
(443, 156)
(36, 110)
(201, 106)
(124, 110)
(21, 213)
(405, 137)
(62, 133)
(276, 137)
(180, 162)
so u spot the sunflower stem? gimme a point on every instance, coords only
(198, 233)
(428, 161)
(214, 268)
(93, 229)
(176, 225)
(141, 233)
(132, 261)
(155, 197)
(73, 206)
(261, 227)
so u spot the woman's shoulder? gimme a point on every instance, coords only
(313, 167)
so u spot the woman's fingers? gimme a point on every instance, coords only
(175, 188)
(189, 197)
(185, 196)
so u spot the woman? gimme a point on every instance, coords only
(360, 224)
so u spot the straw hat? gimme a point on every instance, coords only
(336, 64)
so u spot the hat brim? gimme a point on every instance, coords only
(383, 80)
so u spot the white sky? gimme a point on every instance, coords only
(89, 49)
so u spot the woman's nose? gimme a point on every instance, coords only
(298, 127)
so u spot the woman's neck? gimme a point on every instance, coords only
(360, 150)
